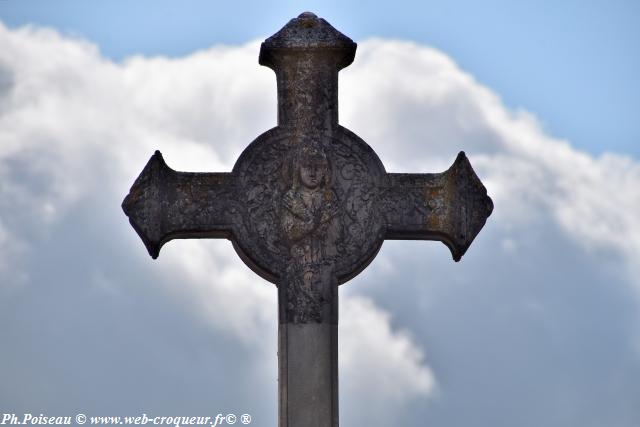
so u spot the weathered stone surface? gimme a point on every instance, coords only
(307, 206)
(164, 204)
(451, 206)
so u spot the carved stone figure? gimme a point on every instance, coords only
(311, 227)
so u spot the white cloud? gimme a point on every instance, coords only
(385, 368)
(421, 109)
(76, 129)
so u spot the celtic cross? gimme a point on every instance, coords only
(307, 206)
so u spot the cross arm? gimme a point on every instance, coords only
(451, 206)
(164, 204)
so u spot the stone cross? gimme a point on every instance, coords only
(307, 207)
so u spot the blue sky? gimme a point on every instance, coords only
(538, 325)
(572, 63)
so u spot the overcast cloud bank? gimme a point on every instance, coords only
(536, 326)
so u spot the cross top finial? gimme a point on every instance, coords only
(307, 31)
(306, 55)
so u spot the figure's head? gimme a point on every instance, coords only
(311, 166)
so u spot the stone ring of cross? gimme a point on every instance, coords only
(307, 206)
